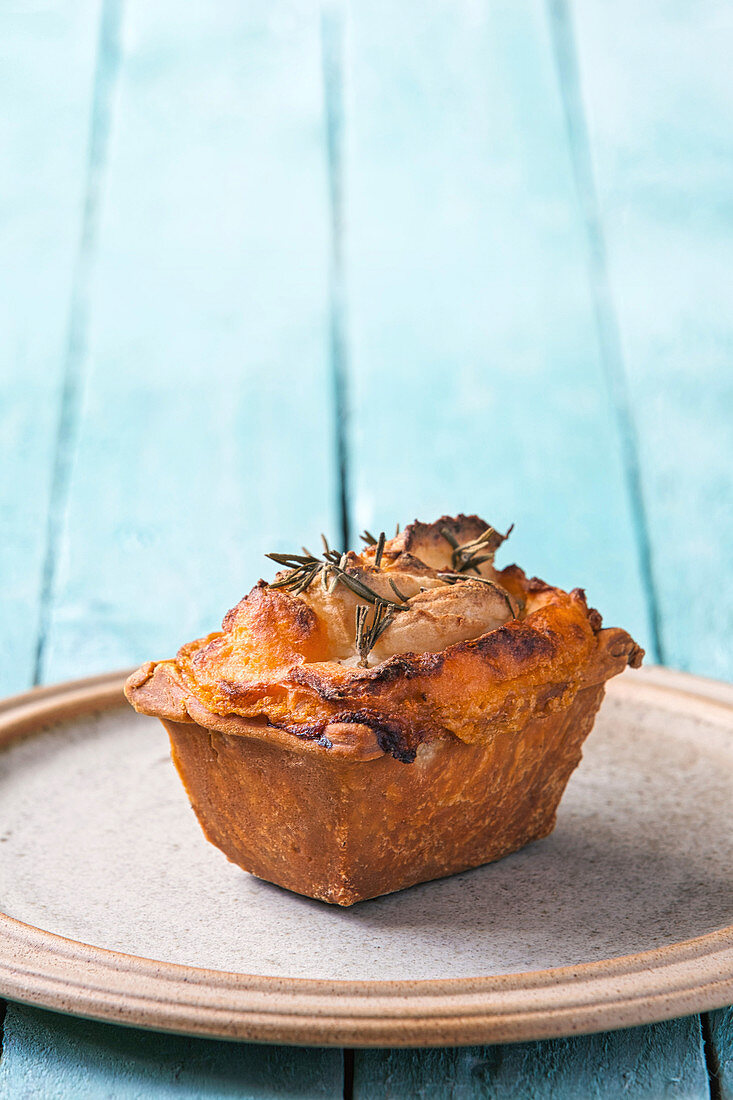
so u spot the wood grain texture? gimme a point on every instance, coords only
(206, 434)
(476, 380)
(658, 101)
(720, 1054)
(655, 1063)
(47, 60)
(202, 301)
(63, 1058)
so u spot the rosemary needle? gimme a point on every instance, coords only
(397, 592)
(469, 555)
(379, 551)
(303, 569)
(366, 638)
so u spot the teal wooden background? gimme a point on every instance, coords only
(272, 269)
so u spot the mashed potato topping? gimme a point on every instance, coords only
(440, 604)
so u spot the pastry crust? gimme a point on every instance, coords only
(460, 733)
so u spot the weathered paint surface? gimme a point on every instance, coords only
(721, 1052)
(659, 1062)
(60, 1057)
(205, 428)
(477, 378)
(658, 105)
(47, 62)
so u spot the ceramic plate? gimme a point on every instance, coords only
(114, 906)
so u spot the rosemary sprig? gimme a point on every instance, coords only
(468, 555)
(303, 569)
(367, 637)
(328, 553)
(454, 578)
(361, 589)
(370, 541)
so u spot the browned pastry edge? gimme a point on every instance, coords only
(280, 668)
(284, 662)
(156, 690)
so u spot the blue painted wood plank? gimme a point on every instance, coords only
(206, 432)
(47, 61)
(658, 102)
(480, 375)
(198, 418)
(64, 1058)
(721, 1053)
(476, 379)
(658, 1062)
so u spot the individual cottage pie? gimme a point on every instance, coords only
(371, 720)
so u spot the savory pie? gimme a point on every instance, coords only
(367, 721)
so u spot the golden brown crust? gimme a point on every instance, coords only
(277, 666)
(334, 828)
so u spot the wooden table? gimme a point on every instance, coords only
(269, 270)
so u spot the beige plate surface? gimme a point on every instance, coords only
(113, 905)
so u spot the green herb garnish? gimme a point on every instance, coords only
(380, 550)
(469, 555)
(366, 637)
(304, 569)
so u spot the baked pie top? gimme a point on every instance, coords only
(415, 639)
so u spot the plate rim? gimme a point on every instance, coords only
(41, 968)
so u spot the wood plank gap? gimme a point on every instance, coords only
(332, 45)
(611, 354)
(105, 78)
(348, 1073)
(711, 1058)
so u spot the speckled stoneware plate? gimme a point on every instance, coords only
(114, 906)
